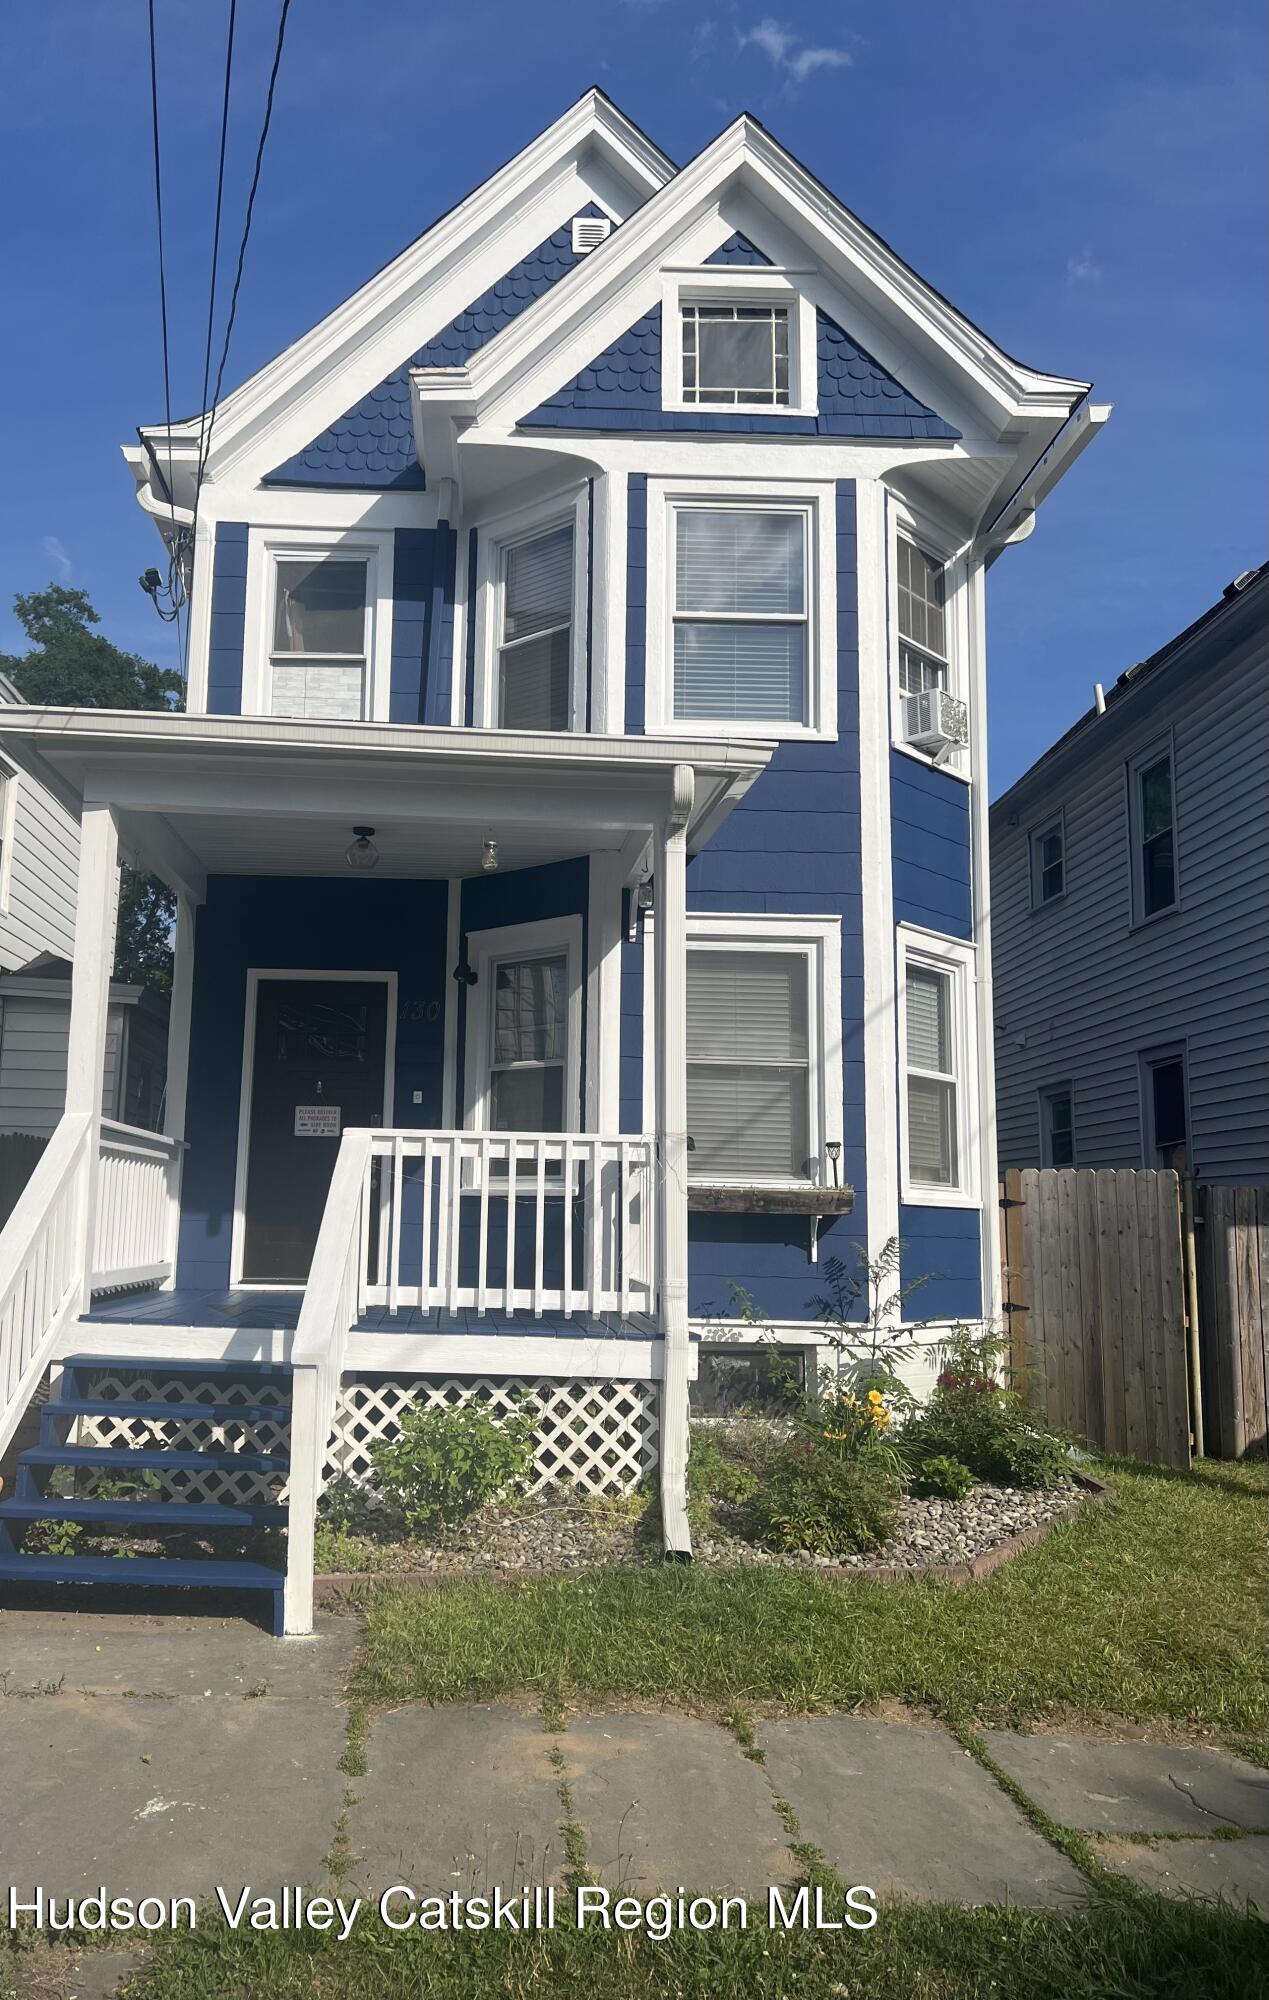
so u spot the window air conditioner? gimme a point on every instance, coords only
(935, 721)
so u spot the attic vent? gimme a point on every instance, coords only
(589, 231)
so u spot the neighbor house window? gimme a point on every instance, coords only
(320, 638)
(1048, 863)
(748, 1065)
(1167, 1128)
(740, 614)
(922, 611)
(529, 1044)
(535, 640)
(736, 355)
(1153, 818)
(1057, 1126)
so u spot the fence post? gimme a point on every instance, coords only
(1189, 1250)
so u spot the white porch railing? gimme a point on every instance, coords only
(42, 1266)
(504, 1222)
(137, 1206)
(317, 1363)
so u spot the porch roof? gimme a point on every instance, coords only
(198, 795)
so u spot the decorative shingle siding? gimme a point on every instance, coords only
(929, 835)
(792, 848)
(636, 602)
(372, 445)
(228, 619)
(737, 250)
(621, 391)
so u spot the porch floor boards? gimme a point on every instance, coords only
(280, 1311)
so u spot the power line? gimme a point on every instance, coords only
(174, 565)
(215, 265)
(246, 234)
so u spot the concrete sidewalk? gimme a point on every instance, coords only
(165, 1756)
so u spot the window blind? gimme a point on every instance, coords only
(538, 584)
(748, 1075)
(740, 633)
(932, 1156)
(536, 651)
(739, 561)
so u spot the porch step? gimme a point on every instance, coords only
(144, 1364)
(152, 1458)
(182, 1516)
(146, 1572)
(200, 1413)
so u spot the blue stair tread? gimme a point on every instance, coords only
(207, 1413)
(185, 1515)
(139, 1570)
(152, 1458)
(141, 1364)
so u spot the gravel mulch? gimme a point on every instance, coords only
(549, 1536)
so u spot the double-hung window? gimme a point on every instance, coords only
(1048, 863)
(922, 612)
(535, 638)
(1057, 1126)
(320, 637)
(1153, 821)
(748, 1065)
(936, 988)
(528, 1043)
(740, 613)
(736, 356)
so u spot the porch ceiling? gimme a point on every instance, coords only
(248, 795)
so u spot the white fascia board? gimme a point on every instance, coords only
(521, 364)
(1016, 519)
(368, 324)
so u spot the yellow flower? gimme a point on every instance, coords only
(875, 1396)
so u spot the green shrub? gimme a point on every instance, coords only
(974, 1417)
(810, 1498)
(942, 1478)
(716, 1474)
(444, 1464)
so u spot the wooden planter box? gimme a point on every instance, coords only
(723, 1198)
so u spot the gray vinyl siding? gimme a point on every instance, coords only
(1079, 993)
(45, 865)
(33, 1039)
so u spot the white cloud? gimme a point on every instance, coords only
(1082, 268)
(704, 38)
(59, 555)
(789, 54)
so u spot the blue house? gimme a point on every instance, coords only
(578, 829)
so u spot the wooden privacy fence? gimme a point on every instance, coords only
(1094, 1288)
(1233, 1291)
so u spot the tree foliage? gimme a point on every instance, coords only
(71, 666)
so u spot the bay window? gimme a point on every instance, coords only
(741, 619)
(535, 636)
(922, 619)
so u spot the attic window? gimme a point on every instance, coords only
(589, 231)
(736, 354)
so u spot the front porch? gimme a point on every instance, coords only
(412, 1240)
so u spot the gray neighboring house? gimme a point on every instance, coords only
(39, 867)
(1130, 917)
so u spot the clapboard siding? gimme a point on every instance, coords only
(41, 912)
(33, 1037)
(1081, 994)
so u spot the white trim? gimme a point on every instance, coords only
(958, 960)
(449, 1042)
(819, 940)
(975, 641)
(1164, 745)
(494, 536)
(739, 284)
(10, 779)
(485, 948)
(255, 974)
(816, 501)
(266, 547)
(603, 994)
(881, 1112)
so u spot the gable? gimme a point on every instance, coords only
(372, 444)
(621, 391)
(738, 250)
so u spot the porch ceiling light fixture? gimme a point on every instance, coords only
(362, 853)
(489, 855)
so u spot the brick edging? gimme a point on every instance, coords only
(334, 1582)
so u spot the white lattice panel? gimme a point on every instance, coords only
(176, 1423)
(600, 1436)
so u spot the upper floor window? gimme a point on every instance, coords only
(1152, 812)
(923, 656)
(736, 355)
(320, 638)
(535, 639)
(741, 614)
(937, 1072)
(1048, 863)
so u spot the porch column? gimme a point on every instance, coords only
(670, 954)
(96, 915)
(176, 1089)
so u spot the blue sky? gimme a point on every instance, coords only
(1085, 182)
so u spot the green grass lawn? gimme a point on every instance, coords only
(1150, 1607)
(1120, 1949)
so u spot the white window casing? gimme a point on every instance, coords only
(929, 642)
(524, 1025)
(531, 589)
(938, 1069)
(764, 1047)
(303, 656)
(742, 609)
(731, 296)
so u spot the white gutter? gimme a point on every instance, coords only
(1016, 518)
